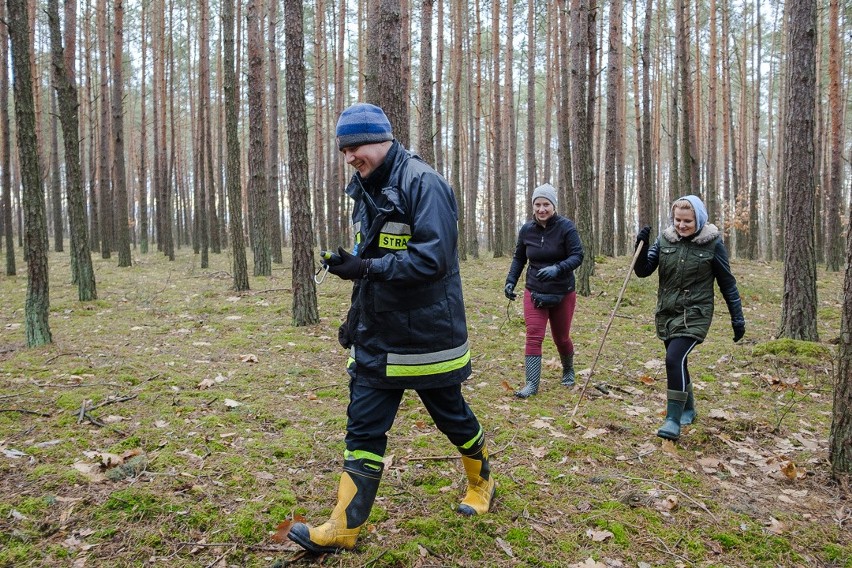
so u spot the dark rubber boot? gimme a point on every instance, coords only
(355, 495)
(567, 370)
(532, 364)
(688, 416)
(674, 410)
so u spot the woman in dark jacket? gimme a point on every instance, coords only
(551, 245)
(691, 256)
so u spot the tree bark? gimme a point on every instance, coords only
(107, 218)
(122, 217)
(580, 143)
(304, 289)
(798, 309)
(37, 306)
(424, 131)
(834, 201)
(65, 85)
(613, 96)
(840, 438)
(497, 157)
(258, 182)
(5, 145)
(235, 217)
(274, 112)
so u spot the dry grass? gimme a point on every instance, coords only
(240, 418)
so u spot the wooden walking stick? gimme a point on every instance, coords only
(608, 324)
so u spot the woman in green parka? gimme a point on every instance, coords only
(690, 256)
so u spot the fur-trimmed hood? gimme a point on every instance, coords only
(707, 233)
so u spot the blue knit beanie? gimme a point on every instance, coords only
(547, 191)
(362, 123)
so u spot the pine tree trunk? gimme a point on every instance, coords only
(840, 438)
(304, 289)
(798, 309)
(612, 131)
(120, 182)
(143, 138)
(424, 131)
(5, 146)
(66, 89)
(834, 201)
(497, 157)
(274, 209)
(258, 182)
(235, 217)
(37, 307)
(581, 145)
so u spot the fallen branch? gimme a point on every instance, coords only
(114, 400)
(223, 555)
(14, 395)
(699, 504)
(58, 355)
(24, 411)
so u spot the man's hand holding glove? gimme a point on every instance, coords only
(739, 330)
(346, 265)
(548, 273)
(509, 291)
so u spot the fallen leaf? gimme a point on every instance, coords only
(589, 563)
(249, 358)
(709, 465)
(91, 471)
(646, 380)
(595, 432)
(719, 414)
(538, 452)
(284, 527)
(507, 548)
(206, 384)
(775, 526)
(670, 503)
(669, 447)
(231, 403)
(598, 535)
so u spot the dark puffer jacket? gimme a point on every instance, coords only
(557, 242)
(407, 326)
(688, 268)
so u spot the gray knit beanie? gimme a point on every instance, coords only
(547, 191)
(362, 123)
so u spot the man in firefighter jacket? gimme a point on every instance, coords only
(406, 327)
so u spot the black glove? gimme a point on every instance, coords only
(739, 330)
(328, 258)
(350, 267)
(509, 291)
(548, 273)
(643, 236)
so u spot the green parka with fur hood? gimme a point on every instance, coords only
(688, 268)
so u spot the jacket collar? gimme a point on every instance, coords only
(707, 233)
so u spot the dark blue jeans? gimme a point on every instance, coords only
(371, 413)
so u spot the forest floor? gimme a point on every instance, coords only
(174, 422)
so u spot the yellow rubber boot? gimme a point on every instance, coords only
(480, 484)
(355, 495)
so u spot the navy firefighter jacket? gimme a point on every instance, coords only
(406, 325)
